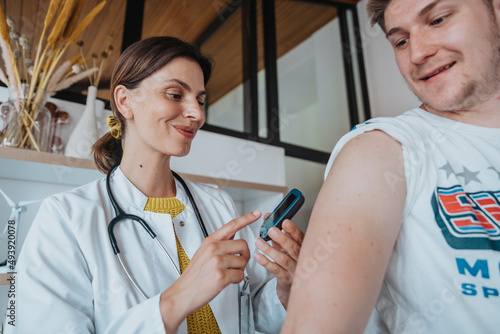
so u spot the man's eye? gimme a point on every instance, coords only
(437, 21)
(201, 103)
(401, 42)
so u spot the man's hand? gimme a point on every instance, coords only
(284, 252)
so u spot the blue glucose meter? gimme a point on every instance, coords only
(285, 210)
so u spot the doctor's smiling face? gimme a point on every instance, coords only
(448, 51)
(164, 112)
(157, 92)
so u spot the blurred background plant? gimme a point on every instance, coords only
(98, 61)
(31, 74)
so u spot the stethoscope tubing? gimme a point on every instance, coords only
(193, 203)
(121, 215)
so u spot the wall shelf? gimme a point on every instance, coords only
(23, 155)
(46, 158)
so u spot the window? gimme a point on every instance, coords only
(288, 73)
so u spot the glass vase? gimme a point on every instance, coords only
(25, 124)
(62, 123)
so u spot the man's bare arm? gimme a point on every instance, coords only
(350, 238)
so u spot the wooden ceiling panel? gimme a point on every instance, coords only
(184, 19)
(225, 48)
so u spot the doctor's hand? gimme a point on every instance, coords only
(218, 262)
(284, 252)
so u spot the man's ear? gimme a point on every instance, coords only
(123, 102)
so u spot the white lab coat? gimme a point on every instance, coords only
(70, 281)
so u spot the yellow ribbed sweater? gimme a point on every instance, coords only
(203, 320)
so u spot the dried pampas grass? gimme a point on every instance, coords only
(58, 75)
(51, 13)
(73, 18)
(73, 79)
(85, 22)
(15, 85)
(43, 74)
(61, 22)
(4, 28)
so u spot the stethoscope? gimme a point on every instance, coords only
(244, 294)
(122, 215)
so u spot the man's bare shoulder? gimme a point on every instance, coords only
(370, 150)
(371, 139)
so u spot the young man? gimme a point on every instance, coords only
(408, 219)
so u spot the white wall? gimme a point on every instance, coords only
(230, 158)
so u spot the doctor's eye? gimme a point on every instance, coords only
(175, 97)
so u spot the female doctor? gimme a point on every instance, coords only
(69, 278)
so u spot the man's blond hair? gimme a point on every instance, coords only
(376, 11)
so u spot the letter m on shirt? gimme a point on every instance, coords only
(481, 266)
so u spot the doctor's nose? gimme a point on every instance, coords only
(194, 111)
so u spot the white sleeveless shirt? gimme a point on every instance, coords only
(444, 272)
